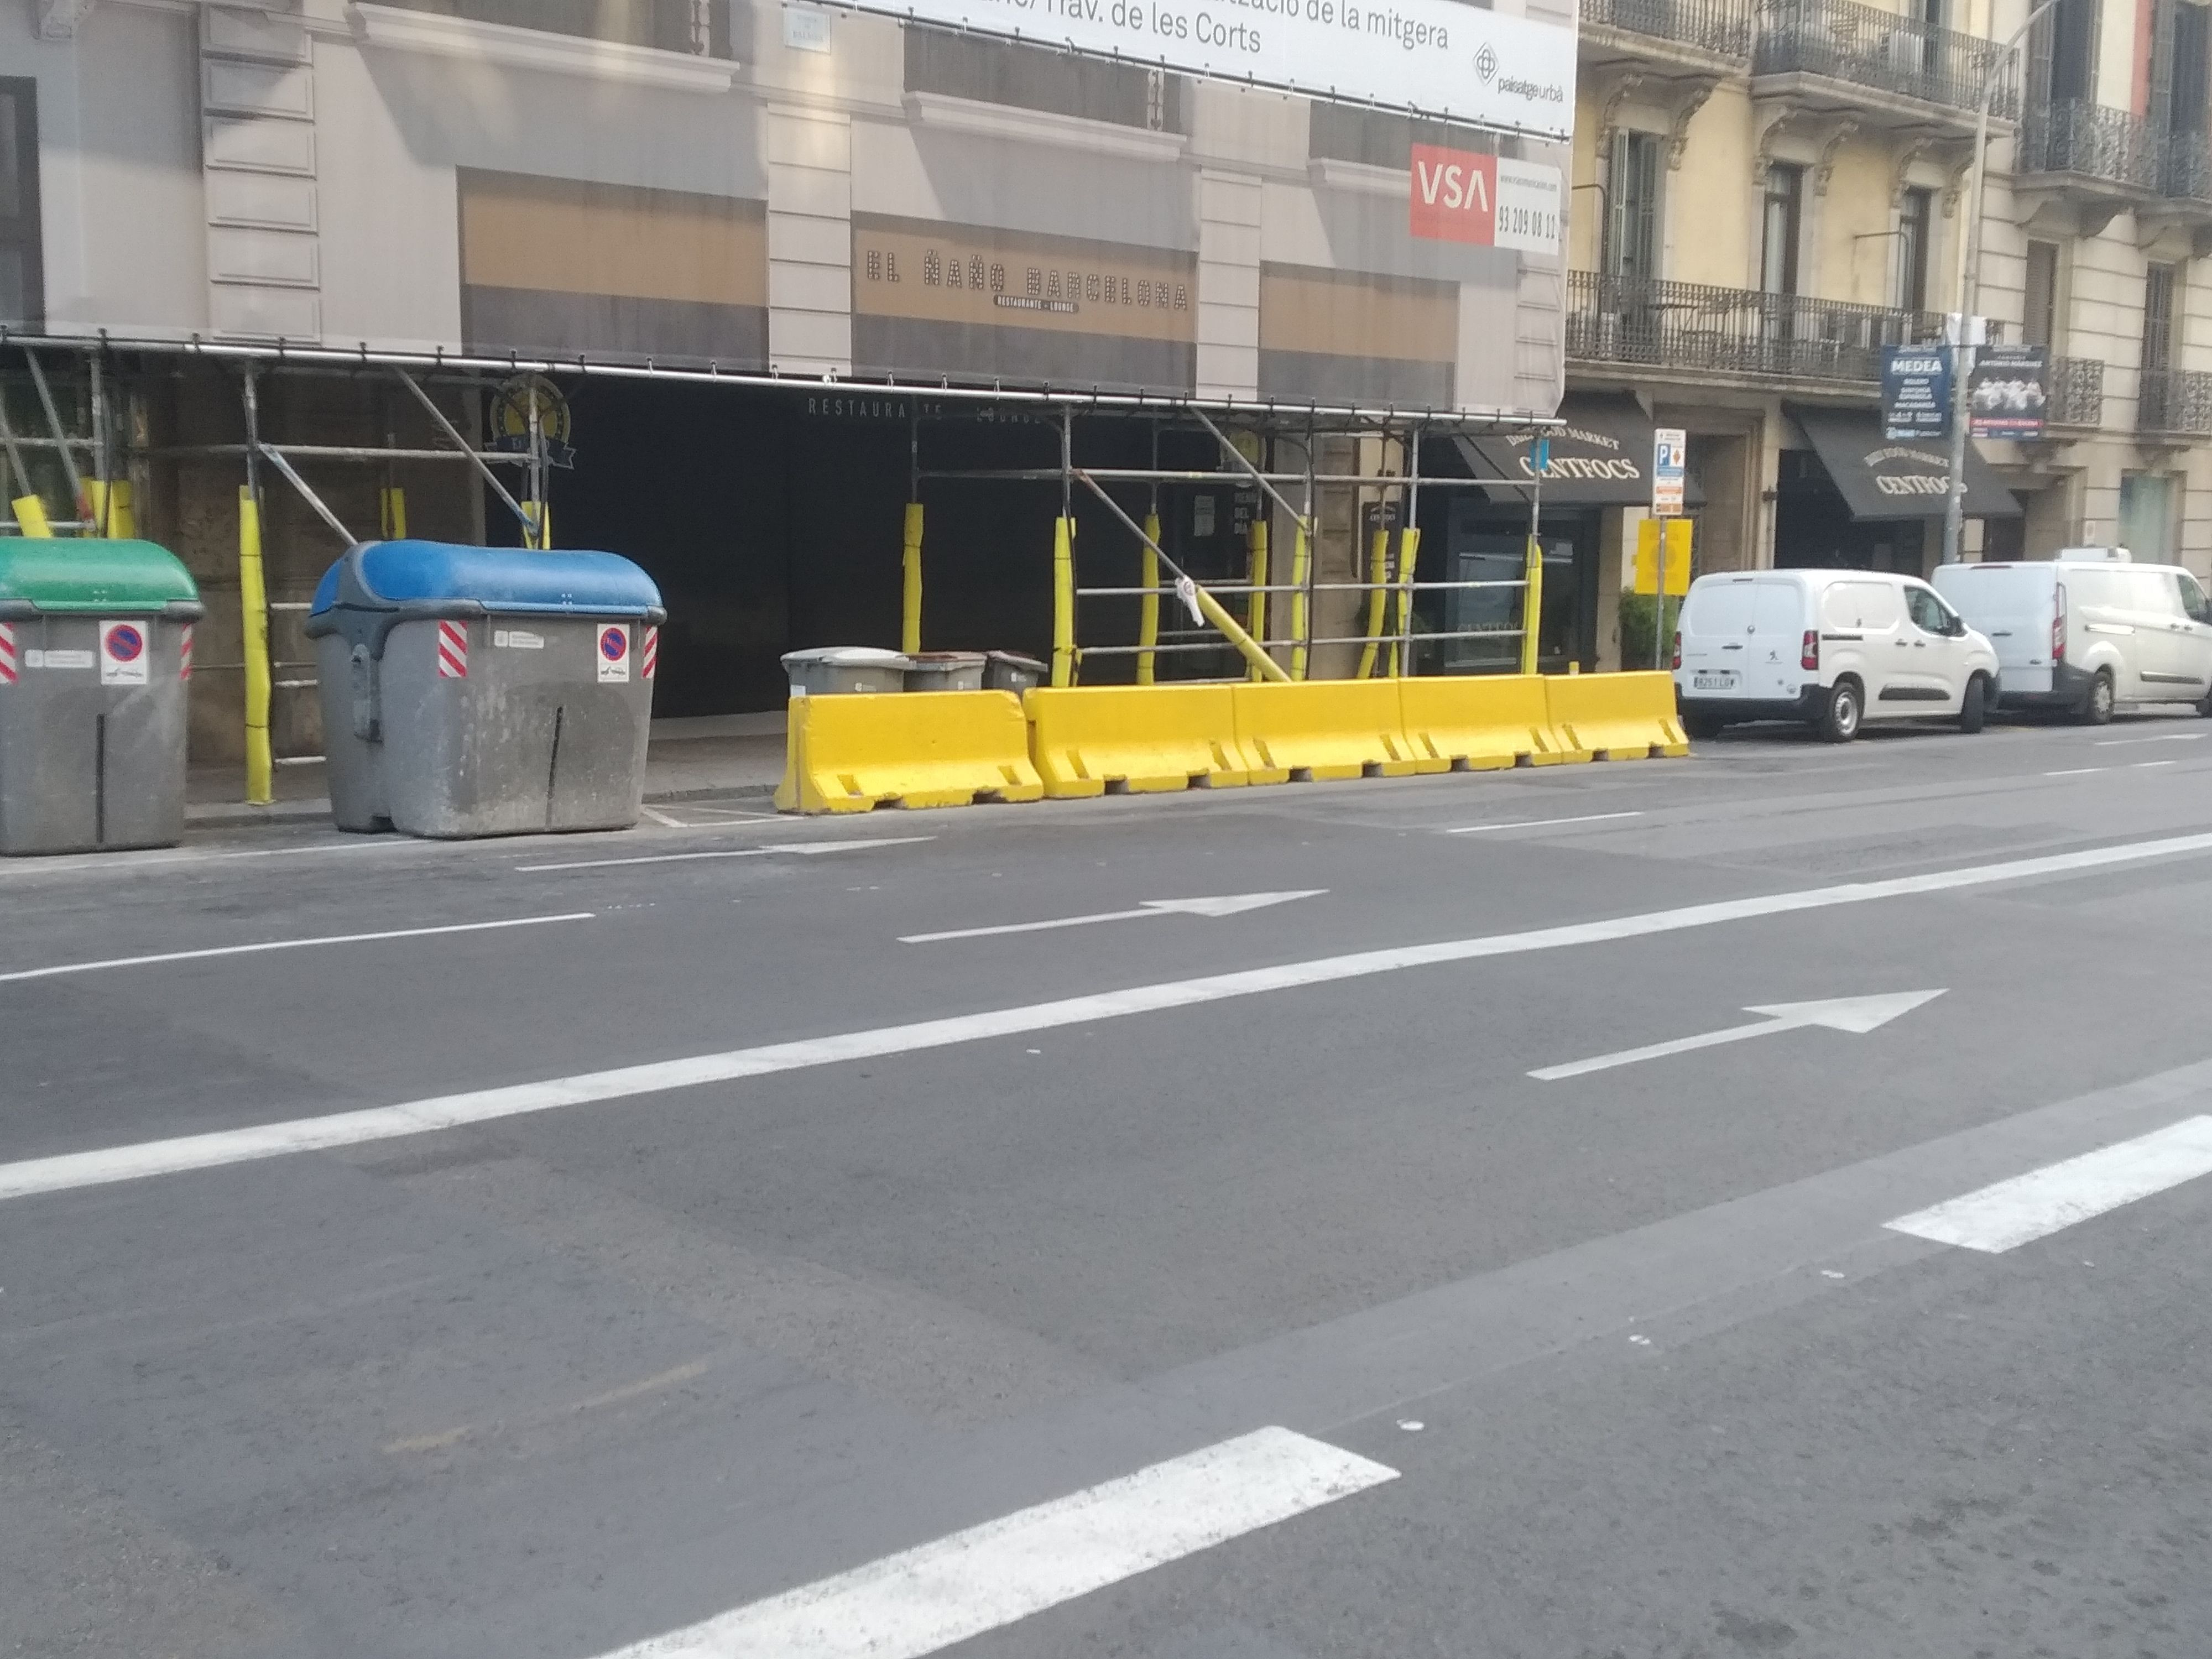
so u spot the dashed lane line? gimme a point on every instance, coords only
(59, 969)
(2010, 1214)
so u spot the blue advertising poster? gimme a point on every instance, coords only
(1916, 392)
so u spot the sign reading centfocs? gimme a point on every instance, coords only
(1437, 57)
(1460, 195)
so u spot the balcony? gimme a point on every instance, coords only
(1713, 32)
(2099, 159)
(1702, 333)
(2174, 402)
(2077, 391)
(1839, 55)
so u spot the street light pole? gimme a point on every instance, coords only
(1969, 290)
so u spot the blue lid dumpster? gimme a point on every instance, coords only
(483, 691)
(95, 655)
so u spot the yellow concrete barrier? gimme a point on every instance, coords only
(1482, 722)
(1321, 729)
(1619, 716)
(1143, 739)
(848, 754)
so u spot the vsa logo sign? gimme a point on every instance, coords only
(1455, 195)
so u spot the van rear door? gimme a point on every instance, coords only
(1779, 623)
(2016, 605)
(1716, 632)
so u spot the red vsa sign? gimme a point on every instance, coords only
(1455, 195)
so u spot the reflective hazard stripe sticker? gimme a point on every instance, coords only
(7, 654)
(453, 651)
(184, 655)
(652, 652)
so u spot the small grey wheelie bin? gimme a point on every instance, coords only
(95, 659)
(485, 691)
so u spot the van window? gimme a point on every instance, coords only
(1719, 608)
(2192, 597)
(1859, 604)
(1930, 614)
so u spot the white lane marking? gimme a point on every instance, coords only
(1227, 904)
(2139, 765)
(2013, 1212)
(2077, 771)
(287, 945)
(1539, 824)
(662, 819)
(1858, 1015)
(66, 1171)
(988, 1576)
(2163, 737)
(806, 848)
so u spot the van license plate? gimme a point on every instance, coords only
(1719, 680)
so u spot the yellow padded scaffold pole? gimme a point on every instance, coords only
(1148, 607)
(910, 581)
(253, 615)
(1063, 601)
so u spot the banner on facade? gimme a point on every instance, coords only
(2008, 392)
(1916, 392)
(1436, 58)
(1487, 201)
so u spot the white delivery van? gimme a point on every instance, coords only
(2090, 631)
(1833, 648)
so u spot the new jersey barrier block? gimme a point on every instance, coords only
(1143, 739)
(1482, 722)
(1619, 716)
(848, 754)
(1319, 729)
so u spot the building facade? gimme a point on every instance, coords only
(1769, 192)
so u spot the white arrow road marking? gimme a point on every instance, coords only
(927, 1598)
(1227, 904)
(288, 945)
(2014, 1213)
(804, 848)
(1859, 1014)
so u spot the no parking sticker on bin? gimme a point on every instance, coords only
(122, 653)
(614, 652)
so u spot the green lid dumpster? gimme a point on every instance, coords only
(95, 657)
(485, 691)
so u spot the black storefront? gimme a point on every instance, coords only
(1601, 460)
(1851, 498)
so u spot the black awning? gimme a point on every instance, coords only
(1882, 478)
(1601, 457)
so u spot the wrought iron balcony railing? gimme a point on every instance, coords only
(2092, 141)
(1730, 330)
(2077, 391)
(1720, 26)
(2177, 400)
(1844, 40)
(2185, 170)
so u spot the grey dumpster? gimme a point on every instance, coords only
(96, 653)
(945, 671)
(1009, 670)
(485, 692)
(845, 670)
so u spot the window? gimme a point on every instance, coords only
(22, 270)
(1348, 132)
(1631, 240)
(1915, 222)
(1784, 218)
(2039, 318)
(1928, 613)
(2062, 54)
(1040, 78)
(2146, 518)
(700, 26)
(2194, 605)
(2158, 317)
(2181, 57)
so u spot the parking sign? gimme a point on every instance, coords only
(1671, 449)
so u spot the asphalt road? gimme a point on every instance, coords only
(628, 1244)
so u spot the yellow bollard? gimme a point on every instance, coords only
(122, 511)
(1063, 601)
(253, 614)
(1300, 552)
(1148, 608)
(1256, 613)
(1378, 568)
(1531, 605)
(910, 573)
(1409, 561)
(31, 518)
(391, 502)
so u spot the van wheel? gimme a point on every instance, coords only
(1704, 728)
(1975, 707)
(1840, 722)
(2096, 707)
(2205, 706)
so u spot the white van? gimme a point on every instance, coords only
(1831, 648)
(2090, 631)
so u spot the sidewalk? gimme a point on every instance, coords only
(712, 757)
